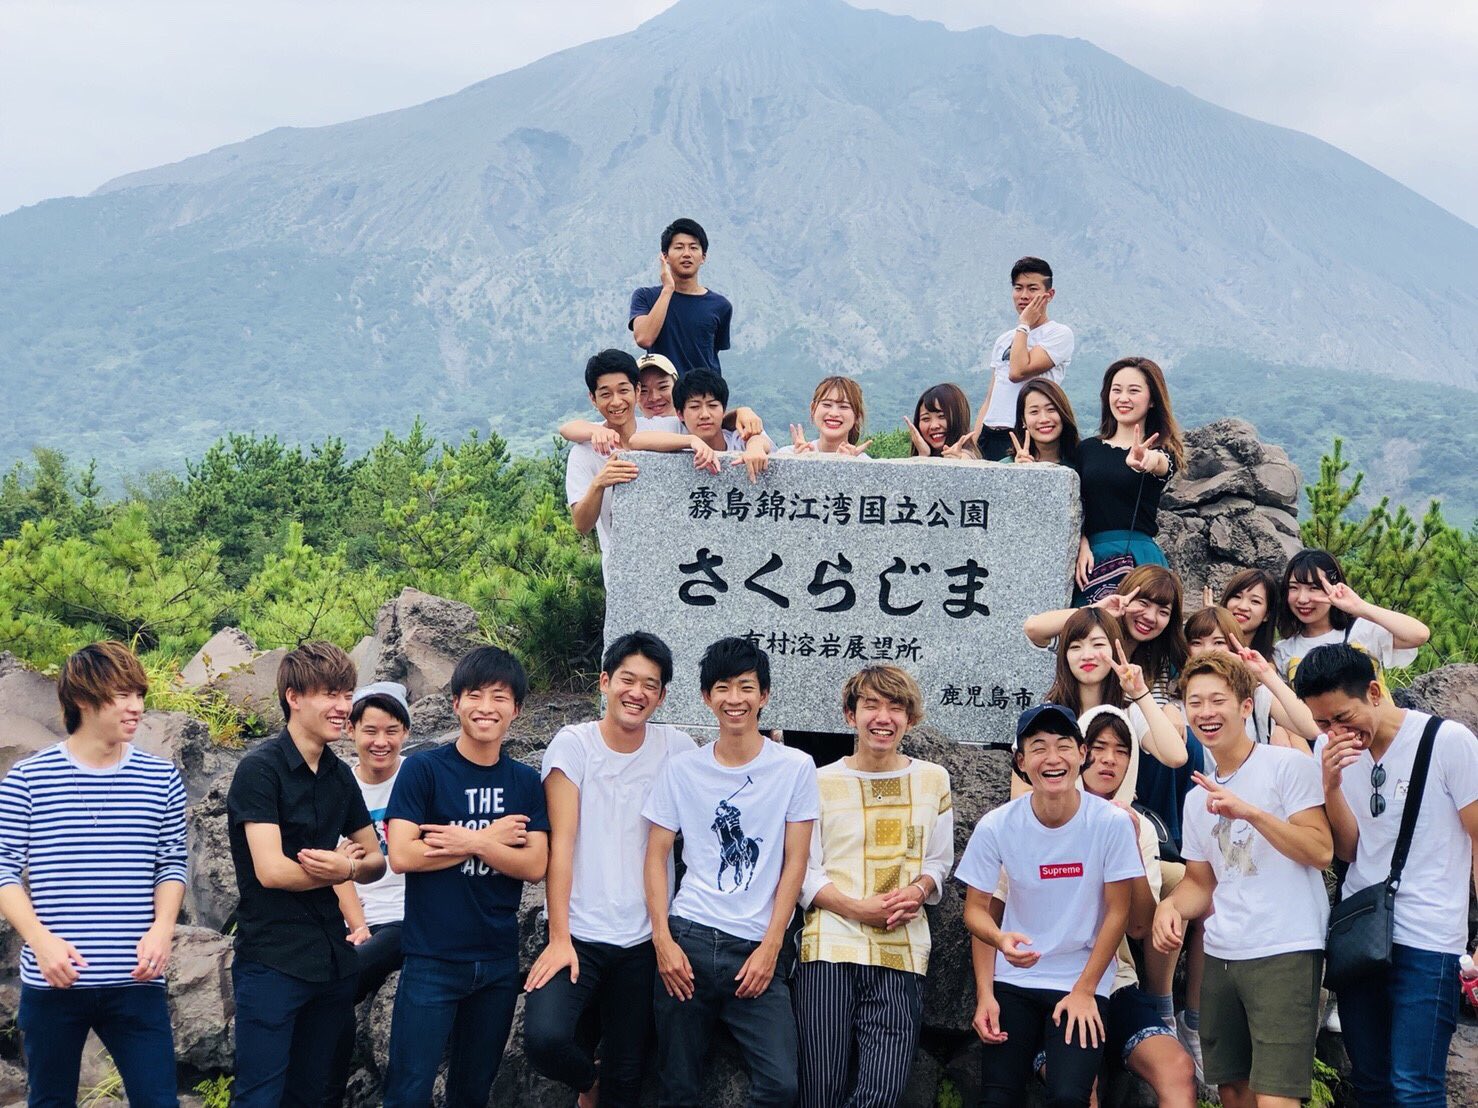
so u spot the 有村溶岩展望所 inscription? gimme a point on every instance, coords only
(830, 565)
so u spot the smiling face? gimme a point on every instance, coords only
(1107, 763)
(1340, 715)
(1088, 657)
(321, 715)
(704, 417)
(1307, 602)
(1042, 419)
(655, 393)
(1129, 396)
(834, 418)
(1050, 762)
(1249, 608)
(1214, 641)
(118, 719)
(933, 424)
(486, 713)
(633, 692)
(684, 256)
(1215, 714)
(378, 737)
(736, 702)
(880, 723)
(614, 398)
(1145, 619)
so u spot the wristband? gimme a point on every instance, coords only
(1023, 328)
(1141, 696)
(353, 867)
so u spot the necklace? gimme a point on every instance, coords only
(95, 813)
(1220, 780)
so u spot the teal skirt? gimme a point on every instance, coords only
(1114, 544)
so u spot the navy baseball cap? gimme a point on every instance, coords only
(1053, 718)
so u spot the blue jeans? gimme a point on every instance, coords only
(1397, 1028)
(470, 1003)
(131, 1020)
(763, 1026)
(286, 1029)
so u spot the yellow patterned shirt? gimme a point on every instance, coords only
(877, 832)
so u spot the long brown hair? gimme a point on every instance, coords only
(1065, 689)
(851, 392)
(1164, 655)
(1159, 420)
(1266, 635)
(949, 401)
(1067, 445)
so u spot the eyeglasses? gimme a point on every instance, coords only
(1377, 779)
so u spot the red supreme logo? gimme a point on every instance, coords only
(1061, 869)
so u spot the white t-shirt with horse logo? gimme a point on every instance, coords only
(732, 820)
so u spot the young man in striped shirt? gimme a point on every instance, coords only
(101, 827)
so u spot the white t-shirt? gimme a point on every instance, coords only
(1056, 876)
(383, 900)
(607, 904)
(732, 820)
(1265, 903)
(584, 465)
(1432, 903)
(1372, 638)
(1056, 338)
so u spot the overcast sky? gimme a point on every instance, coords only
(90, 89)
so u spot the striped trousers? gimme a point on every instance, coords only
(858, 1028)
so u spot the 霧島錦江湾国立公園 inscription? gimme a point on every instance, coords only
(833, 564)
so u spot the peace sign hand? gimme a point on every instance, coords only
(798, 439)
(1221, 801)
(1342, 596)
(851, 451)
(920, 444)
(961, 448)
(1253, 660)
(1022, 453)
(1131, 676)
(1140, 454)
(1116, 604)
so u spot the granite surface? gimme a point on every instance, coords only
(833, 563)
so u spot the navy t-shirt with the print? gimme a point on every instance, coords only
(1163, 790)
(695, 330)
(468, 912)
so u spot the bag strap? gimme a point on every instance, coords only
(1134, 515)
(1414, 792)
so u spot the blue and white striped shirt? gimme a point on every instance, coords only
(96, 842)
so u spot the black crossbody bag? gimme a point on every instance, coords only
(1362, 926)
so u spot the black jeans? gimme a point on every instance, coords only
(617, 982)
(763, 1026)
(1005, 1068)
(379, 957)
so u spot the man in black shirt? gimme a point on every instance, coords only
(290, 802)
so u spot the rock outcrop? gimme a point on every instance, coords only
(1450, 692)
(222, 652)
(417, 641)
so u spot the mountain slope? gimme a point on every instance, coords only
(866, 181)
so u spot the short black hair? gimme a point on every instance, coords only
(684, 227)
(387, 704)
(1032, 265)
(610, 361)
(1304, 568)
(728, 658)
(646, 644)
(490, 665)
(700, 382)
(1336, 667)
(1108, 721)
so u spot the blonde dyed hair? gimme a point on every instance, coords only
(93, 676)
(1218, 663)
(888, 682)
(851, 392)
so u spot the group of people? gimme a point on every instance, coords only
(1179, 792)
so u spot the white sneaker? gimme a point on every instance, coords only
(1191, 1040)
(1331, 1018)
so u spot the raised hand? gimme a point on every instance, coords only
(1341, 596)
(1208, 598)
(1261, 668)
(850, 451)
(1021, 453)
(1339, 754)
(1221, 801)
(798, 439)
(1142, 455)
(961, 447)
(1131, 676)
(920, 443)
(668, 282)
(1115, 604)
(1035, 312)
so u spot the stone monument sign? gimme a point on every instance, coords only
(829, 564)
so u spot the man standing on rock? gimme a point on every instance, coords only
(290, 803)
(1036, 346)
(1398, 1024)
(467, 825)
(100, 826)
(679, 318)
(597, 776)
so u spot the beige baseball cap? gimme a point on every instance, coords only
(657, 361)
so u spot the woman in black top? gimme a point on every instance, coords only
(1124, 469)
